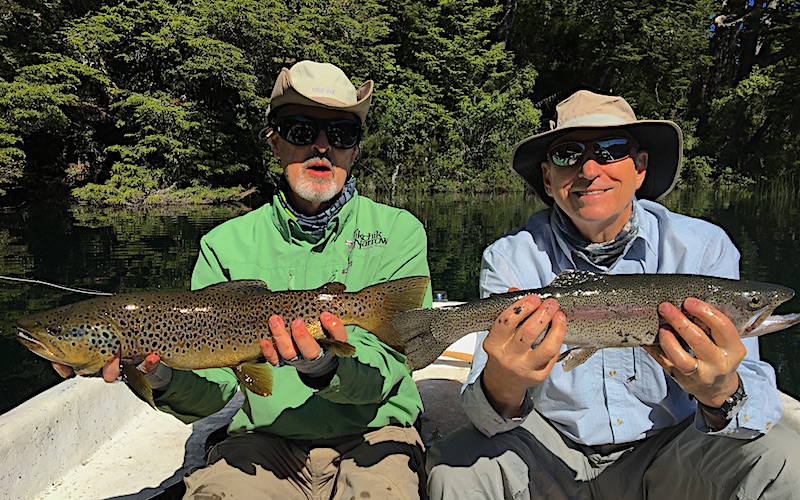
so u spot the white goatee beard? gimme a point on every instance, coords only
(316, 190)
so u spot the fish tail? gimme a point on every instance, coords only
(418, 330)
(427, 333)
(396, 296)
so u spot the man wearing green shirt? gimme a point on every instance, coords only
(333, 427)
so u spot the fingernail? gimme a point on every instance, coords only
(274, 321)
(296, 323)
(325, 316)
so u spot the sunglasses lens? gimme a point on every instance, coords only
(567, 154)
(298, 130)
(303, 130)
(343, 134)
(611, 150)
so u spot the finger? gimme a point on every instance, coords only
(307, 344)
(506, 324)
(111, 371)
(533, 327)
(63, 370)
(546, 354)
(269, 352)
(688, 331)
(282, 338)
(676, 358)
(723, 332)
(333, 326)
(150, 363)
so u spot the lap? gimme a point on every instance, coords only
(676, 460)
(385, 462)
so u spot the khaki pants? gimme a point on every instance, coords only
(536, 461)
(385, 463)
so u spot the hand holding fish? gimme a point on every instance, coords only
(513, 365)
(110, 371)
(299, 342)
(709, 375)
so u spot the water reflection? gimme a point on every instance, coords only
(124, 250)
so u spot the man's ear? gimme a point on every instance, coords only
(641, 159)
(546, 179)
(272, 139)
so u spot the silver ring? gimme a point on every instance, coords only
(696, 366)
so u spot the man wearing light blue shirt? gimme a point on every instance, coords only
(667, 423)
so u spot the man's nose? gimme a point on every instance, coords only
(321, 144)
(590, 168)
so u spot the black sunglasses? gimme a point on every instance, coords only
(302, 130)
(605, 151)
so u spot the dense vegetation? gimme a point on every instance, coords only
(127, 101)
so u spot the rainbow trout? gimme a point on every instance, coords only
(602, 311)
(218, 326)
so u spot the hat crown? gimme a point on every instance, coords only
(587, 109)
(320, 82)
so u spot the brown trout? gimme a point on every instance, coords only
(602, 311)
(218, 326)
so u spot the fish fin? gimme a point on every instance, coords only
(240, 286)
(337, 348)
(575, 357)
(256, 376)
(332, 287)
(573, 277)
(397, 296)
(136, 380)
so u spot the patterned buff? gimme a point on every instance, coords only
(600, 254)
(315, 224)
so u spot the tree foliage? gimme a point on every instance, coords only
(127, 101)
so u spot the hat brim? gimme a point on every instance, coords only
(663, 140)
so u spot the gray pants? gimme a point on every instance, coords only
(536, 461)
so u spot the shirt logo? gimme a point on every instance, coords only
(368, 240)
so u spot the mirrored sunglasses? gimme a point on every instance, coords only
(302, 130)
(605, 151)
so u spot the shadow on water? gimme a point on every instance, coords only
(126, 250)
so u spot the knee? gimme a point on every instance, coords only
(458, 448)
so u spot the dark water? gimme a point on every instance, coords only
(124, 250)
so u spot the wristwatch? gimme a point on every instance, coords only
(731, 406)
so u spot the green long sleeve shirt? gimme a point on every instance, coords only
(364, 244)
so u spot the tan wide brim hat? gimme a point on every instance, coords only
(663, 140)
(322, 85)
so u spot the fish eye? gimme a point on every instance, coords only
(755, 301)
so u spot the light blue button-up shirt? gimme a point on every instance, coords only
(619, 395)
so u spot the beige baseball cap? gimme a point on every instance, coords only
(322, 85)
(663, 140)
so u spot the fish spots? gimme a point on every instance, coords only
(517, 309)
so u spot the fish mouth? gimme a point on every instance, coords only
(758, 319)
(45, 350)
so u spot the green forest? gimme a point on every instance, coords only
(161, 101)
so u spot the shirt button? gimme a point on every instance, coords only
(619, 421)
(330, 430)
(612, 373)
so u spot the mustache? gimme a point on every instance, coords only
(318, 157)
